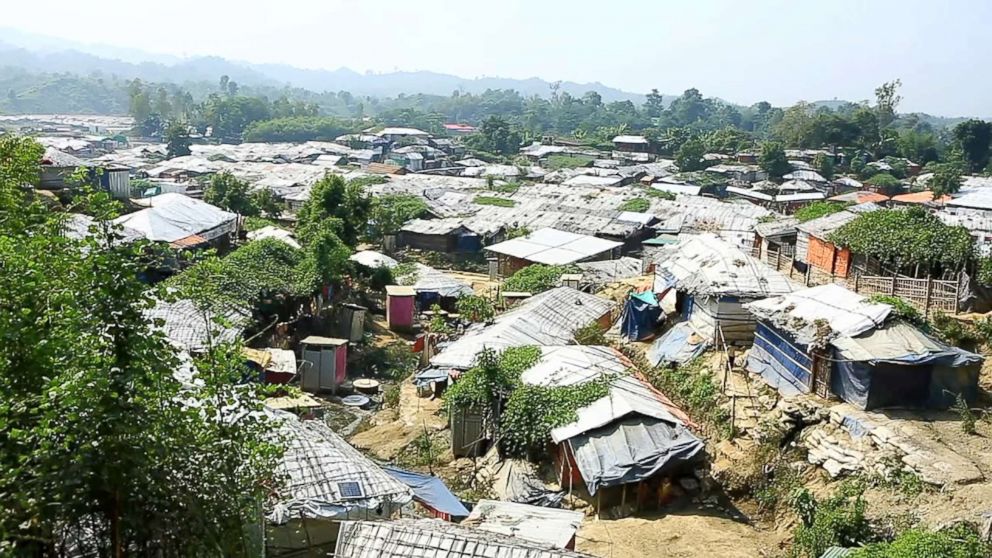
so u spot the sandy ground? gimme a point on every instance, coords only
(392, 431)
(689, 535)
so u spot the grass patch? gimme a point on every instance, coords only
(255, 223)
(639, 205)
(490, 200)
(506, 188)
(557, 162)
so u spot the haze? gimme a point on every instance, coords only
(743, 52)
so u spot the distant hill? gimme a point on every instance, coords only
(37, 53)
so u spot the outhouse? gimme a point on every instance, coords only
(323, 365)
(400, 307)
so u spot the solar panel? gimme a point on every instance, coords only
(350, 489)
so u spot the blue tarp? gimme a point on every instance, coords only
(640, 316)
(430, 491)
(780, 360)
(429, 375)
(679, 345)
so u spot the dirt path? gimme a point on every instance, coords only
(674, 536)
(393, 430)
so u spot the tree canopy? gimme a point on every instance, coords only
(102, 443)
(901, 237)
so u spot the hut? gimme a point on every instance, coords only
(821, 259)
(712, 281)
(323, 363)
(327, 481)
(447, 236)
(400, 307)
(836, 343)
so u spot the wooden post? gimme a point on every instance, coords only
(926, 300)
(892, 286)
(599, 503)
(623, 499)
(857, 282)
(733, 412)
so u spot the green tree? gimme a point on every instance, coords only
(690, 156)
(536, 278)
(345, 203)
(975, 139)
(887, 100)
(228, 192)
(390, 212)
(818, 209)
(267, 203)
(102, 444)
(885, 182)
(959, 541)
(177, 140)
(946, 180)
(824, 165)
(773, 160)
(654, 104)
(496, 136)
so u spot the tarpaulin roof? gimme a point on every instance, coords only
(640, 316)
(555, 527)
(175, 216)
(554, 247)
(429, 490)
(373, 259)
(631, 450)
(327, 477)
(846, 312)
(705, 264)
(899, 342)
(680, 344)
(276, 233)
(549, 318)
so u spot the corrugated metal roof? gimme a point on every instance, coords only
(434, 538)
(187, 326)
(609, 271)
(823, 226)
(433, 226)
(631, 139)
(707, 265)
(549, 318)
(175, 216)
(778, 227)
(316, 460)
(554, 247)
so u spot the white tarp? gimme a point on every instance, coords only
(846, 312)
(171, 217)
(373, 259)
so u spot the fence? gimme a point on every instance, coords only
(927, 295)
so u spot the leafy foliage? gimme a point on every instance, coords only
(660, 194)
(230, 193)
(639, 205)
(824, 165)
(960, 541)
(975, 139)
(475, 308)
(946, 180)
(390, 212)
(591, 334)
(689, 157)
(885, 182)
(536, 278)
(533, 411)
(344, 204)
(491, 200)
(901, 309)
(835, 521)
(102, 444)
(818, 209)
(260, 271)
(177, 140)
(493, 377)
(773, 160)
(692, 386)
(557, 162)
(902, 237)
(297, 128)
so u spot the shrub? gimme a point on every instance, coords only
(836, 521)
(959, 541)
(475, 308)
(556, 162)
(591, 334)
(818, 209)
(536, 278)
(639, 205)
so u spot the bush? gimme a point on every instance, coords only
(640, 205)
(391, 397)
(818, 209)
(836, 521)
(296, 128)
(885, 182)
(556, 162)
(536, 278)
(660, 194)
(693, 387)
(959, 541)
(591, 334)
(475, 308)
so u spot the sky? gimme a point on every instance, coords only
(741, 51)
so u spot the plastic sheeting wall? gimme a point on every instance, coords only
(727, 313)
(780, 360)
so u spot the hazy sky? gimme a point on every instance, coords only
(740, 50)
